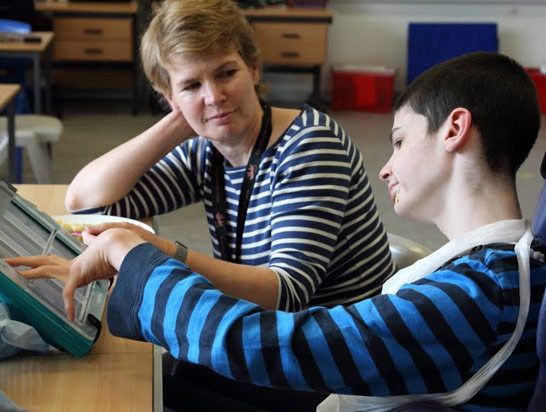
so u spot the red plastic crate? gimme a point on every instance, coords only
(540, 83)
(366, 88)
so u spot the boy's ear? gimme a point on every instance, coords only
(459, 123)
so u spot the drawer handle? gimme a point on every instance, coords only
(92, 31)
(290, 35)
(92, 51)
(291, 55)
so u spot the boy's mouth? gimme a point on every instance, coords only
(395, 194)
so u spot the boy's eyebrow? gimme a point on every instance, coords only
(392, 132)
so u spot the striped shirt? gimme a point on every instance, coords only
(312, 217)
(429, 337)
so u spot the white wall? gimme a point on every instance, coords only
(375, 32)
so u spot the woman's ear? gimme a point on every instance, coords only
(458, 124)
(168, 97)
(255, 73)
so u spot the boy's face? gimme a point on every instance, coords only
(414, 172)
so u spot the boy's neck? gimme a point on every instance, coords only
(472, 206)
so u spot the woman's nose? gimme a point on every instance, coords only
(213, 94)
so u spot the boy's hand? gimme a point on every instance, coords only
(101, 260)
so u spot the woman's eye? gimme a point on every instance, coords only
(397, 143)
(191, 86)
(228, 73)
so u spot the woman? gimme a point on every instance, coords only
(291, 213)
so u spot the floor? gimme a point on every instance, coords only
(92, 128)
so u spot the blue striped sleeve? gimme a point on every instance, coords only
(429, 337)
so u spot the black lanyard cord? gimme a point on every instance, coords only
(219, 203)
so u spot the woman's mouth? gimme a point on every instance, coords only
(221, 118)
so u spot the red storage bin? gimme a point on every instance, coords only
(540, 83)
(360, 87)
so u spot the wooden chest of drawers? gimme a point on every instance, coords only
(292, 43)
(93, 39)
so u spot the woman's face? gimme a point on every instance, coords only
(414, 173)
(215, 94)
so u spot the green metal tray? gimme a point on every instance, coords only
(25, 231)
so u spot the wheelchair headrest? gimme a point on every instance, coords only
(539, 218)
(543, 167)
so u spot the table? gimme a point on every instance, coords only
(34, 51)
(7, 96)
(117, 375)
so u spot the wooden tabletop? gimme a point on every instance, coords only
(283, 11)
(117, 375)
(7, 93)
(19, 46)
(88, 7)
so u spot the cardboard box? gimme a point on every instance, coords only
(540, 83)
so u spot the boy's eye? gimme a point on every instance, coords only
(397, 143)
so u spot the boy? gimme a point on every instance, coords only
(460, 132)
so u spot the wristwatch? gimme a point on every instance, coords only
(181, 251)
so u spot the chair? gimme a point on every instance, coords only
(538, 400)
(405, 251)
(35, 133)
(402, 250)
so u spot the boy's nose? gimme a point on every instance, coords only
(385, 172)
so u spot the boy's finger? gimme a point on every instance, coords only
(68, 299)
(31, 261)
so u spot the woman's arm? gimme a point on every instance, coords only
(110, 177)
(259, 285)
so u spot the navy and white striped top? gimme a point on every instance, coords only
(429, 337)
(312, 217)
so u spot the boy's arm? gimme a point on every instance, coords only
(425, 339)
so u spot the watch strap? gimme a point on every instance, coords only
(181, 252)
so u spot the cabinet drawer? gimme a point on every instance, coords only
(69, 28)
(113, 51)
(291, 43)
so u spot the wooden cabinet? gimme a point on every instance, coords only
(293, 40)
(292, 43)
(93, 39)
(94, 50)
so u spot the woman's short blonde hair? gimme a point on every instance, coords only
(196, 26)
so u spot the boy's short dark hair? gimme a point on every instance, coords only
(496, 90)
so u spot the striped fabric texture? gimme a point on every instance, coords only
(429, 337)
(312, 217)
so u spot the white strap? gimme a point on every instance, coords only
(350, 403)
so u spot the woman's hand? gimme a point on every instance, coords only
(101, 260)
(165, 245)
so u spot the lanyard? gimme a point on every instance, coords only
(219, 203)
